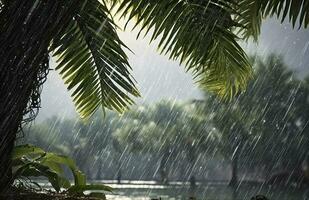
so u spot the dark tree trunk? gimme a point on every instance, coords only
(163, 166)
(191, 156)
(234, 178)
(27, 28)
(192, 181)
(190, 172)
(119, 174)
(99, 173)
(182, 172)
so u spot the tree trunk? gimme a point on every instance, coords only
(234, 178)
(99, 172)
(163, 166)
(191, 156)
(27, 28)
(119, 174)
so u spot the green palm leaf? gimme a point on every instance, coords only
(250, 19)
(293, 10)
(92, 61)
(231, 72)
(195, 32)
(251, 13)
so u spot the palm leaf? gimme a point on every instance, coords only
(92, 62)
(250, 19)
(252, 11)
(296, 11)
(231, 73)
(192, 32)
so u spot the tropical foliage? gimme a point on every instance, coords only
(31, 161)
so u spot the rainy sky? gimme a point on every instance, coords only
(158, 78)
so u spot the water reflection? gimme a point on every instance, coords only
(145, 190)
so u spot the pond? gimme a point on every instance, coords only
(146, 190)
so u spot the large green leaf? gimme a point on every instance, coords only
(50, 165)
(79, 177)
(35, 169)
(92, 61)
(26, 150)
(193, 32)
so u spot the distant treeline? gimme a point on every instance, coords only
(261, 132)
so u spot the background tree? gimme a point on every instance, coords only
(265, 125)
(233, 125)
(168, 131)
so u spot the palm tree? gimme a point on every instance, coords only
(91, 58)
(264, 126)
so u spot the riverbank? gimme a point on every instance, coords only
(147, 190)
(22, 194)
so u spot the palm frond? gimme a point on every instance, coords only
(251, 13)
(250, 19)
(296, 11)
(92, 62)
(231, 72)
(192, 32)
